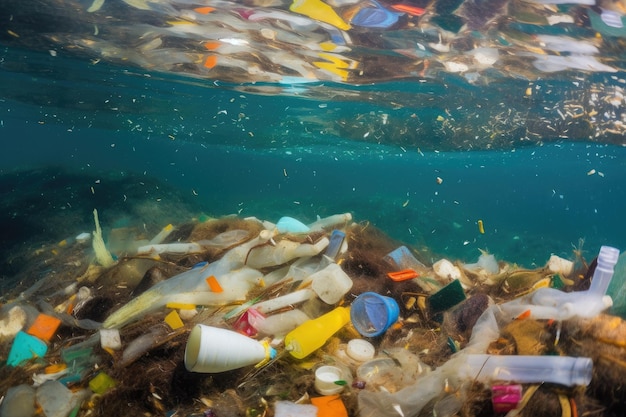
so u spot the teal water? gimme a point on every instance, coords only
(534, 200)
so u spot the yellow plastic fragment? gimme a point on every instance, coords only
(173, 320)
(481, 227)
(180, 306)
(318, 10)
(328, 46)
(101, 383)
(54, 368)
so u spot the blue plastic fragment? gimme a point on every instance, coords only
(402, 258)
(336, 240)
(25, 347)
(375, 17)
(291, 225)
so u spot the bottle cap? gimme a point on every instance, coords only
(360, 350)
(325, 380)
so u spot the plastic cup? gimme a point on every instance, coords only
(212, 349)
(372, 314)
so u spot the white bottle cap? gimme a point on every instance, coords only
(326, 378)
(360, 350)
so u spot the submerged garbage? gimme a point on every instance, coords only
(243, 317)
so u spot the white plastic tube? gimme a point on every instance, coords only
(283, 301)
(564, 370)
(172, 248)
(330, 221)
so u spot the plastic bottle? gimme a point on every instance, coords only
(607, 258)
(564, 370)
(283, 252)
(311, 335)
(212, 349)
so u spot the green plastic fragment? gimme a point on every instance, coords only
(453, 345)
(447, 297)
(77, 357)
(557, 282)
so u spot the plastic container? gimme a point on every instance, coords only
(56, 399)
(607, 258)
(19, 401)
(372, 314)
(212, 349)
(331, 283)
(325, 380)
(564, 370)
(311, 335)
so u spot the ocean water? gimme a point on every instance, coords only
(423, 151)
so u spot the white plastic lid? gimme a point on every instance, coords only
(360, 350)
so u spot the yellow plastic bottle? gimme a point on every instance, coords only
(311, 335)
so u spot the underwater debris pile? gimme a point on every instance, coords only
(243, 317)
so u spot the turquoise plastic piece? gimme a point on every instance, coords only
(25, 347)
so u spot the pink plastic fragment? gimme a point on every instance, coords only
(246, 324)
(505, 397)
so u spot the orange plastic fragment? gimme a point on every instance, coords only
(213, 284)
(403, 275)
(204, 10)
(330, 406)
(212, 45)
(44, 327)
(412, 10)
(53, 369)
(210, 61)
(524, 315)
